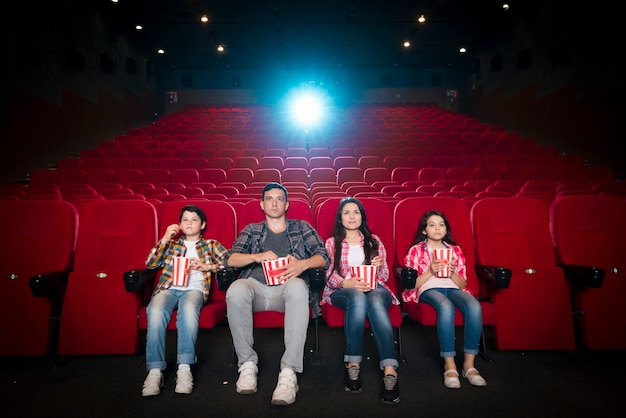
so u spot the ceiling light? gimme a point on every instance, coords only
(220, 48)
(138, 27)
(204, 18)
(406, 44)
(160, 51)
(421, 18)
(462, 50)
(505, 6)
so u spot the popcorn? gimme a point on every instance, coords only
(180, 271)
(273, 269)
(367, 273)
(443, 254)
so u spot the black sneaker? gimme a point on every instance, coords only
(390, 392)
(352, 380)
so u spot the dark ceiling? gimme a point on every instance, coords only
(331, 34)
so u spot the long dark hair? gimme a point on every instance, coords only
(370, 245)
(420, 235)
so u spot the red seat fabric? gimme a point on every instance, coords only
(406, 219)
(221, 225)
(589, 231)
(379, 218)
(98, 315)
(31, 327)
(533, 312)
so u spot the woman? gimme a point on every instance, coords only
(353, 244)
(444, 292)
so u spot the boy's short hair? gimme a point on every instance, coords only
(274, 185)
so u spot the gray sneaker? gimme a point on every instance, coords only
(153, 384)
(184, 381)
(246, 384)
(286, 389)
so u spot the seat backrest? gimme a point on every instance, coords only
(402, 174)
(322, 174)
(185, 176)
(267, 175)
(247, 162)
(589, 231)
(46, 224)
(295, 175)
(240, 174)
(221, 224)
(432, 174)
(251, 212)
(379, 219)
(534, 312)
(349, 174)
(115, 235)
(98, 315)
(213, 175)
(407, 215)
(374, 174)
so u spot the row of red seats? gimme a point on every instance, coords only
(342, 157)
(95, 314)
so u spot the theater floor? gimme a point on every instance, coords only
(520, 384)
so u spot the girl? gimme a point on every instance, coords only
(444, 293)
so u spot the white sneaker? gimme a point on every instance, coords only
(184, 381)
(286, 389)
(246, 384)
(153, 383)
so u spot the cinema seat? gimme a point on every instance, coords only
(406, 218)
(533, 312)
(98, 315)
(379, 218)
(587, 233)
(221, 225)
(32, 287)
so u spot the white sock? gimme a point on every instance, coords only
(154, 371)
(183, 367)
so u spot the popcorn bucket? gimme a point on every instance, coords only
(367, 273)
(443, 254)
(273, 269)
(180, 271)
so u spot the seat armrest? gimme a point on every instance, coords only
(408, 276)
(225, 276)
(43, 284)
(315, 278)
(496, 276)
(583, 277)
(134, 279)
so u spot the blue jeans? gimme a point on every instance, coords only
(159, 313)
(444, 300)
(372, 305)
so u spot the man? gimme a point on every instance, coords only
(274, 238)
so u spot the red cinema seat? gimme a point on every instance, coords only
(587, 232)
(98, 315)
(406, 218)
(533, 311)
(379, 218)
(32, 326)
(221, 225)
